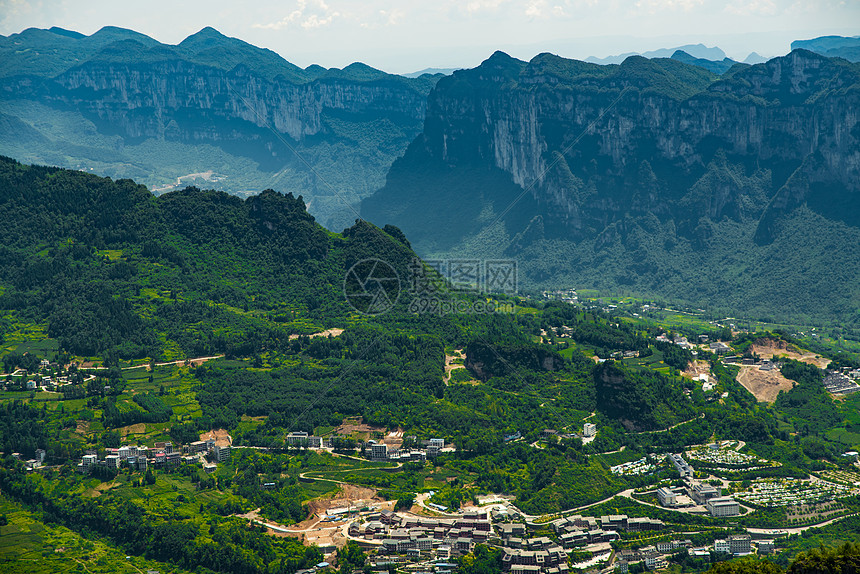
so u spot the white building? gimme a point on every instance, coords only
(297, 438)
(723, 506)
(379, 451)
(221, 453)
(739, 544)
(721, 546)
(666, 497)
(703, 492)
(680, 465)
(437, 442)
(112, 460)
(589, 429)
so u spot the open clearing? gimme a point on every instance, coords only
(696, 368)
(765, 385)
(326, 333)
(354, 427)
(450, 365)
(767, 348)
(220, 435)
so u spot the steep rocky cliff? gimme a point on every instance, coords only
(652, 162)
(348, 125)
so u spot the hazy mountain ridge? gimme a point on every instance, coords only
(676, 164)
(832, 46)
(211, 90)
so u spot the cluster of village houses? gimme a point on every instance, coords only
(48, 378)
(32, 463)
(440, 540)
(165, 454)
(162, 454)
(378, 450)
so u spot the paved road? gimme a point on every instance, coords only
(799, 529)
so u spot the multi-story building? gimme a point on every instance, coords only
(589, 429)
(765, 547)
(297, 438)
(721, 545)
(703, 492)
(740, 544)
(221, 453)
(379, 451)
(666, 497)
(723, 506)
(684, 469)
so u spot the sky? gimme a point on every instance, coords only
(407, 35)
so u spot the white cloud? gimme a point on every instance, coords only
(392, 17)
(477, 6)
(314, 21)
(316, 16)
(536, 8)
(752, 7)
(654, 6)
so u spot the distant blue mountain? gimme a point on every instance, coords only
(431, 71)
(699, 51)
(718, 67)
(832, 46)
(755, 58)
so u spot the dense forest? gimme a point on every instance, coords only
(128, 287)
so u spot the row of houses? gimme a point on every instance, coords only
(839, 384)
(416, 536)
(613, 522)
(382, 451)
(654, 557)
(160, 455)
(32, 463)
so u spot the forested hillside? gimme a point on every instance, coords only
(116, 290)
(651, 177)
(119, 103)
(115, 272)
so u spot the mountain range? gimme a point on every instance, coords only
(652, 176)
(693, 177)
(211, 110)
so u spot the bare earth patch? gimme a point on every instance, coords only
(696, 368)
(765, 385)
(83, 427)
(767, 348)
(139, 428)
(314, 530)
(103, 487)
(355, 427)
(220, 435)
(450, 365)
(326, 333)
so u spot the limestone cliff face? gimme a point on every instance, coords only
(576, 135)
(198, 103)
